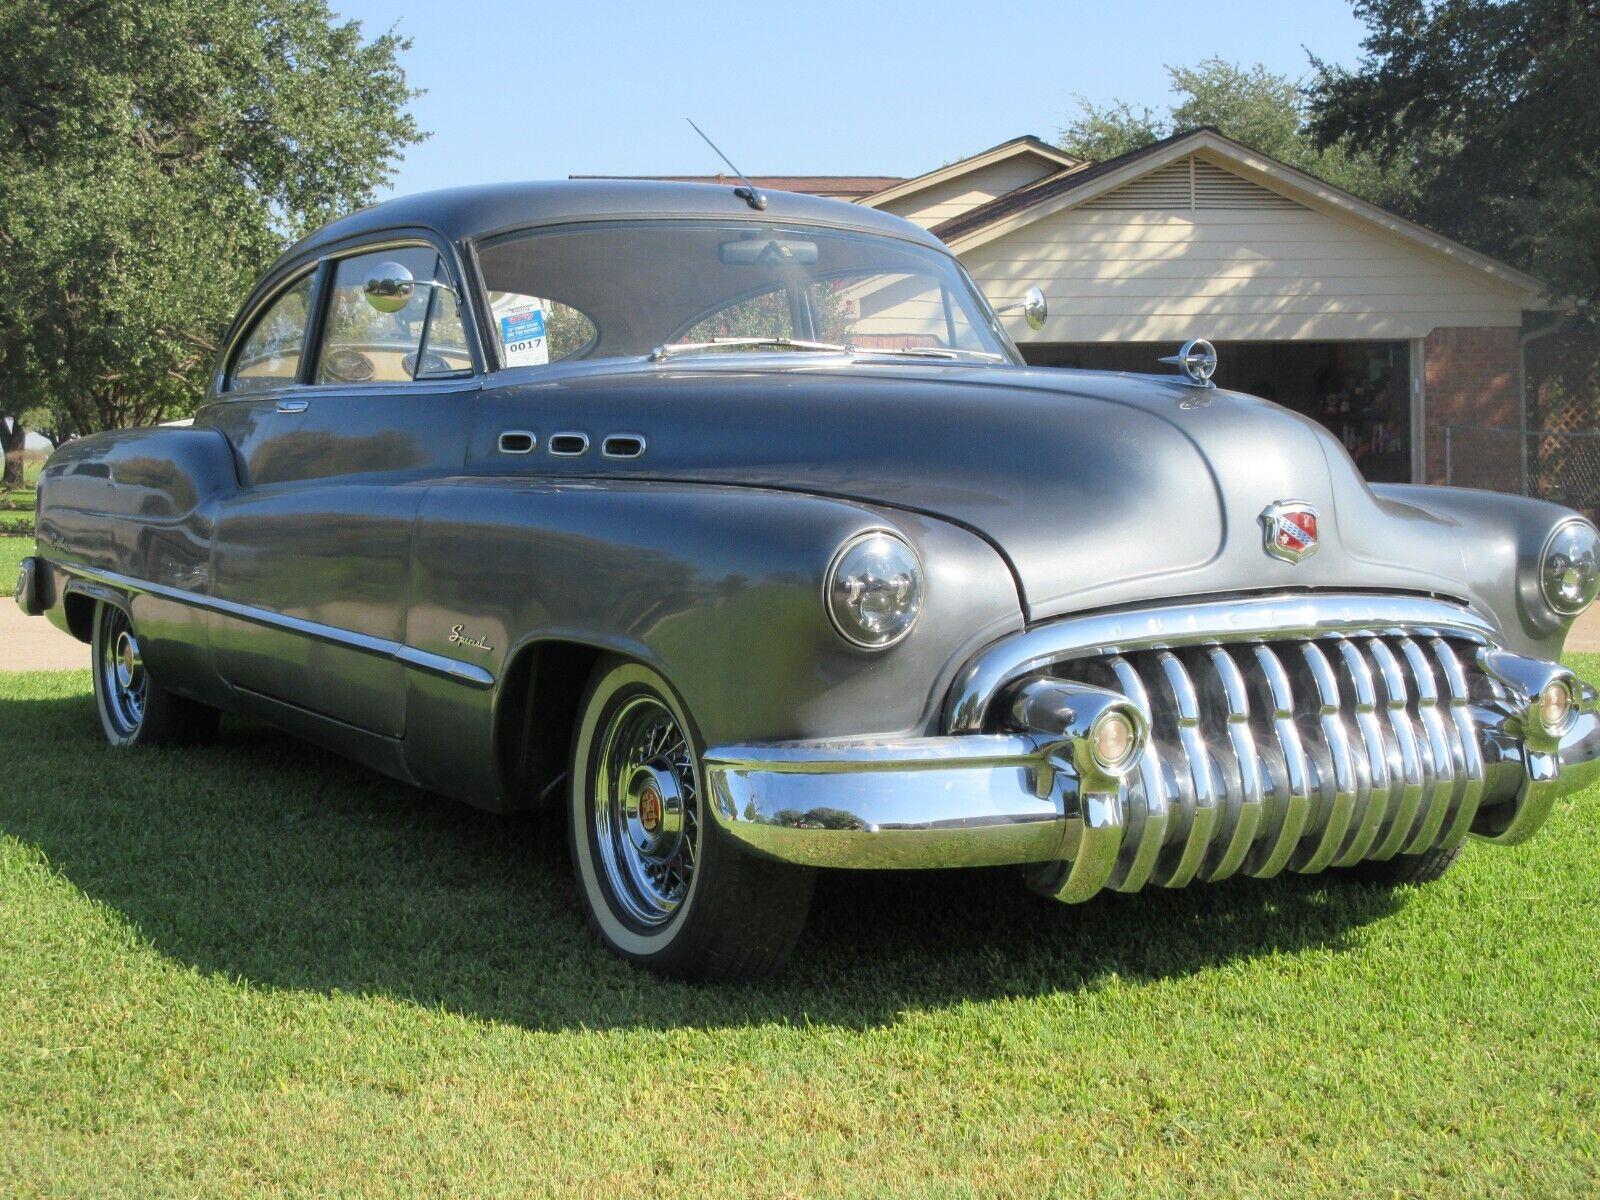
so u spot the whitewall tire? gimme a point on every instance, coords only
(659, 884)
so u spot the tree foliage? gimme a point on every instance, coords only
(155, 156)
(1495, 109)
(1266, 111)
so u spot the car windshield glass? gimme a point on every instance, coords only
(617, 289)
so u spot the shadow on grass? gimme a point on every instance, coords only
(264, 859)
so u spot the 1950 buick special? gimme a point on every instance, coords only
(735, 527)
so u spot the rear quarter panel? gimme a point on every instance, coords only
(142, 503)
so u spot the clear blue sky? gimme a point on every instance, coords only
(544, 90)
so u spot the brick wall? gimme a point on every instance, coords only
(1470, 378)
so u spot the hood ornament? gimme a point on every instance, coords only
(1289, 528)
(1197, 360)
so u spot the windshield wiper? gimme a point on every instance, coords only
(929, 352)
(662, 353)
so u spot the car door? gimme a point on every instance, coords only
(316, 547)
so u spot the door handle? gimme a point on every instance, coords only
(293, 406)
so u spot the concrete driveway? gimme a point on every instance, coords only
(33, 644)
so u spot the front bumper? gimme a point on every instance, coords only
(982, 800)
(1258, 783)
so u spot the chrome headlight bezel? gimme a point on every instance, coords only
(837, 606)
(1553, 566)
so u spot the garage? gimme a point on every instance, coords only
(1387, 332)
(1359, 390)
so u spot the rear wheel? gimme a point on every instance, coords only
(1407, 868)
(660, 885)
(135, 710)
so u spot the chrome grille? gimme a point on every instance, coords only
(1297, 754)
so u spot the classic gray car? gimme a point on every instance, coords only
(734, 527)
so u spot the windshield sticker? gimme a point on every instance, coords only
(522, 334)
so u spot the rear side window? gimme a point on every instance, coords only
(269, 356)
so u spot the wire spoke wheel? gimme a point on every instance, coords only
(646, 810)
(123, 680)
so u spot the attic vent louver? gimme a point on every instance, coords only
(1191, 185)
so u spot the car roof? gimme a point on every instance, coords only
(461, 214)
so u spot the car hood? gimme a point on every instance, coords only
(1098, 488)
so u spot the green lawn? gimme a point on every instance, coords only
(12, 551)
(253, 970)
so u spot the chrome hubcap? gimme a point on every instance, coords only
(646, 810)
(122, 674)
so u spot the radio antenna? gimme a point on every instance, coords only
(749, 192)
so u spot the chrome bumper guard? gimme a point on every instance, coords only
(1322, 742)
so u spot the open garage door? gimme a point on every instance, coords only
(1359, 390)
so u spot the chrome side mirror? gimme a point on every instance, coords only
(390, 287)
(1032, 306)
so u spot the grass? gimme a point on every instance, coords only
(12, 551)
(252, 969)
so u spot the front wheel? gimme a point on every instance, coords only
(135, 710)
(660, 885)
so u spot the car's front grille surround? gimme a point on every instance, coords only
(1298, 753)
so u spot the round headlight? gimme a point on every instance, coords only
(1569, 568)
(874, 590)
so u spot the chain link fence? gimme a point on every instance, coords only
(1551, 465)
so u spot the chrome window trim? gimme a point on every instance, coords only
(358, 244)
(409, 656)
(1278, 617)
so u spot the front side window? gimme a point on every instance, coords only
(363, 345)
(269, 355)
(618, 289)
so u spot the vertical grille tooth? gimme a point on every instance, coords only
(1466, 738)
(1290, 807)
(1436, 744)
(1241, 768)
(1333, 764)
(1142, 847)
(1194, 773)
(1357, 677)
(1405, 759)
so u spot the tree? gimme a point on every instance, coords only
(155, 156)
(1494, 108)
(1265, 111)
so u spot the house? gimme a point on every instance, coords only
(1382, 329)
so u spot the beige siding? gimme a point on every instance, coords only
(1251, 270)
(943, 201)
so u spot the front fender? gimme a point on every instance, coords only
(1500, 538)
(718, 588)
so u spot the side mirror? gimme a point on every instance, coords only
(1032, 306)
(390, 287)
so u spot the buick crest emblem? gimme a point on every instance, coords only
(1290, 530)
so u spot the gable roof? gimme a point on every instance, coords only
(1072, 187)
(840, 187)
(1026, 144)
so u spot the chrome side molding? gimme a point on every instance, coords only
(410, 656)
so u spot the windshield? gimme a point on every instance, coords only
(619, 289)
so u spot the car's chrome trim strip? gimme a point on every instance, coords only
(408, 656)
(1276, 617)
